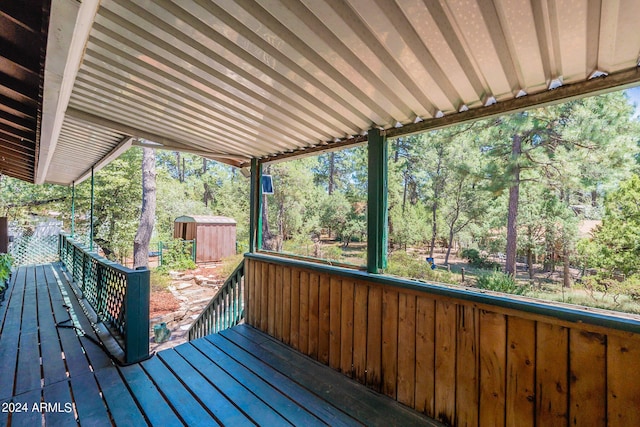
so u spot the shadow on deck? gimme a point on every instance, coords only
(53, 370)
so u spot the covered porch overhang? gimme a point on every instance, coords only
(239, 80)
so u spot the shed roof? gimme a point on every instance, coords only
(203, 219)
(234, 80)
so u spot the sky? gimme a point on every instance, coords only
(634, 94)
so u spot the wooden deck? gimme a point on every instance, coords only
(57, 375)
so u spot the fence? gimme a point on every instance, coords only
(34, 242)
(119, 295)
(225, 310)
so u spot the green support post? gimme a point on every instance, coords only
(377, 202)
(73, 209)
(160, 248)
(137, 316)
(91, 215)
(255, 214)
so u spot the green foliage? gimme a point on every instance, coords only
(6, 261)
(229, 264)
(618, 239)
(177, 255)
(332, 253)
(160, 279)
(477, 260)
(631, 287)
(500, 282)
(404, 265)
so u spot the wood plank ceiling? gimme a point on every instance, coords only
(23, 36)
(237, 79)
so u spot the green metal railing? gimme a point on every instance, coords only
(119, 295)
(225, 310)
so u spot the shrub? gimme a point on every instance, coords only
(402, 264)
(477, 260)
(501, 282)
(229, 264)
(6, 260)
(160, 280)
(631, 287)
(177, 256)
(333, 253)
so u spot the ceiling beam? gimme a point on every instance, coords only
(596, 86)
(164, 143)
(123, 146)
(70, 24)
(592, 87)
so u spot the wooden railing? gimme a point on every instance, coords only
(118, 295)
(462, 357)
(225, 310)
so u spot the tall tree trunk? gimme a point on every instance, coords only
(404, 192)
(566, 273)
(207, 195)
(434, 228)
(332, 171)
(148, 212)
(178, 166)
(530, 252)
(434, 206)
(204, 165)
(451, 235)
(512, 216)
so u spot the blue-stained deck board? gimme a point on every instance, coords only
(53, 366)
(224, 410)
(305, 398)
(149, 397)
(91, 411)
(27, 415)
(180, 398)
(59, 394)
(243, 397)
(10, 334)
(284, 405)
(121, 404)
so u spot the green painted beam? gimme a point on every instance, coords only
(92, 207)
(73, 209)
(255, 216)
(377, 202)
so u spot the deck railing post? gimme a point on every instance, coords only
(377, 202)
(99, 287)
(255, 211)
(137, 316)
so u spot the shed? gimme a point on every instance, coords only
(215, 236)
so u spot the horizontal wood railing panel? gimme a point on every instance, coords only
(463, 362)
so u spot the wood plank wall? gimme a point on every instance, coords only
(462, 363)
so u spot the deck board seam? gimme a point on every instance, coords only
(252, 370)
(163, 394)
(213, 384)
(187, 388)
(289, 378)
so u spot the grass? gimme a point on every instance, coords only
(229, 264)
(160, 280)
(407, 265)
